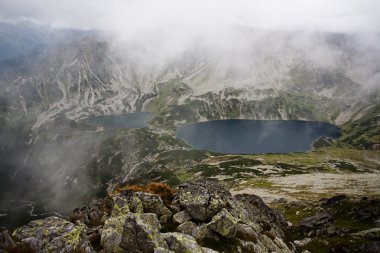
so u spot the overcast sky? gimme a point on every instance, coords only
(137, 15)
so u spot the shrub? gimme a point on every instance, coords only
(163, 190)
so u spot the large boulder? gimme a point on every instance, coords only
(92, 214)
(202, 199)
(224, 224)
(181, 243)
(186, 227)
(315, 221)
(54, 234)
(257, 210)
(139, 232)
(181, 217)
(154, 204)
(203, 233)
(126, 202)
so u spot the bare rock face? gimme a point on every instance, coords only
(54, 234)
(202, 199)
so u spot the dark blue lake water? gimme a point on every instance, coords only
(129, 120)
(255, 136)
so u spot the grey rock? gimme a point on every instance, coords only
(257, 210)
(246, 233)
(303, 241)
(92, 214)
(186, 228)
(333, 200)
(181, 217)
(279, 201)
(315, 220)
(54, 234)
(125, 202)
(203, 232)
(139, 232)
(181, 243)
(224, 224)
(154, 204)
(202, 199)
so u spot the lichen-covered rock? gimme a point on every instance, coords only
(186, 228)
(204, 233)
(202, 199)
(93, 213)
(181, 243)
(154, 204)
(54, 234)
(207, 215)
(126, 202)
(257, 210)
(112, 233)
(246, 233)
(224, 224)
(6, 241)
(181, 217)
(139, 232)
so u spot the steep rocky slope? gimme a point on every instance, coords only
(201, 216)
(269, 76)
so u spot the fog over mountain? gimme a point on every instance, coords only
(165, 30)
(65, 63)
(127, 16)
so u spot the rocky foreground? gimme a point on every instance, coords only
(200, 216)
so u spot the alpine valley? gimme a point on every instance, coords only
(53, 158)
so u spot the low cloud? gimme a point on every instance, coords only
(129, 16)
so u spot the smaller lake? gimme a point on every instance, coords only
(255, 136)
(129, 120)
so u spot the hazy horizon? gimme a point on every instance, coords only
(128, 17)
